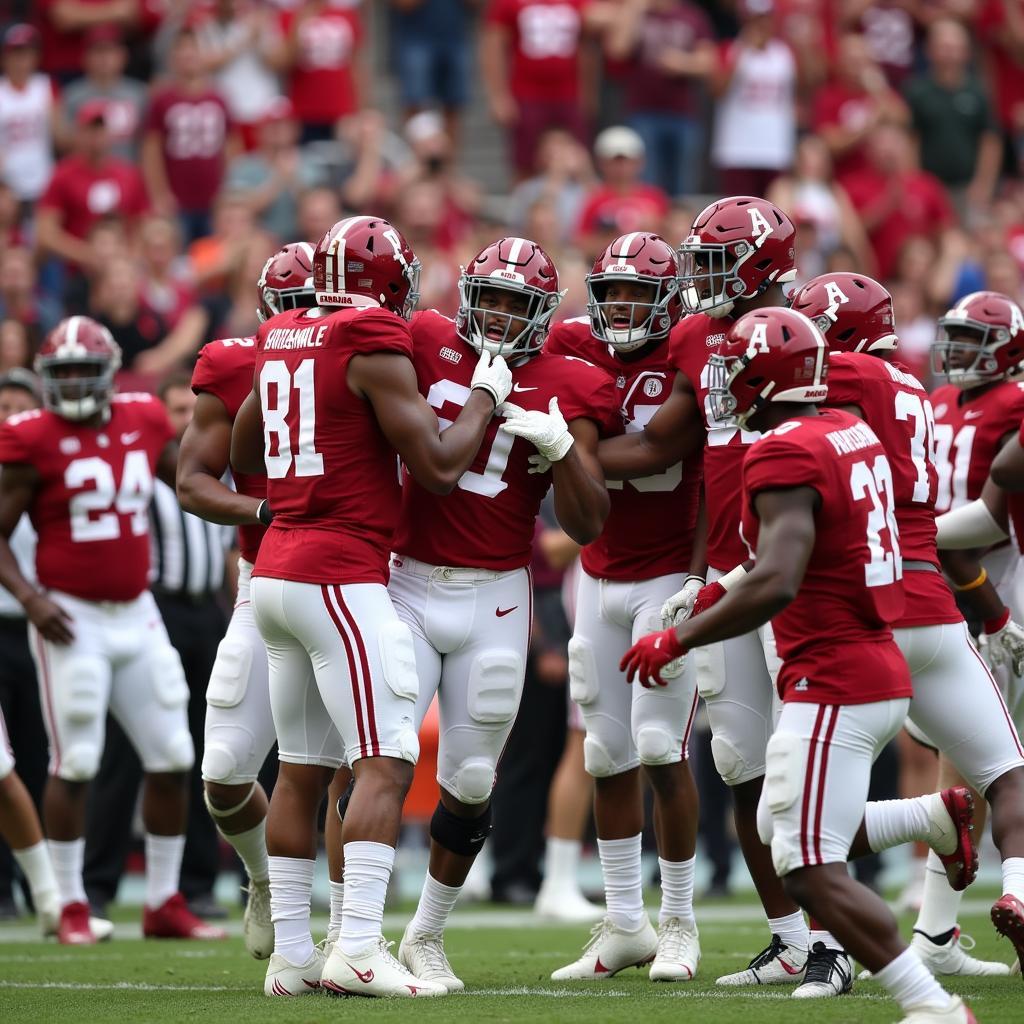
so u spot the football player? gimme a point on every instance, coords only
(459, 576)
(334, 399)
(640, 560)
(818, 515)
(83, 469)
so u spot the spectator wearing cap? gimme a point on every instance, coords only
(63, 25)
(955, 124)
(21, 299)
(754, 137)
(87, 186)
(669, 54)
(104, 61)
(621, 201)
(26, 116)
(187, 141)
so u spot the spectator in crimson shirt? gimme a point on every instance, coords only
(63, 24)
(1000, 28)
(323, 38)
(187, 141)
(86, 187)
(621, 202)
(896, 200)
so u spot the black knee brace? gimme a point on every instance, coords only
(343, 800)
(464, 836)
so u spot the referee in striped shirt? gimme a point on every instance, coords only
(188, 560)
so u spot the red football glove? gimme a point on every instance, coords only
(649, 655)
(707, 596)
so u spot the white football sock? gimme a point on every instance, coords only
(291, 889)
(1013, 877)
(940, 905)
(367, 872)
(436, 903)
(827, 939)
(561, 861)
(891, 823)
(792, 929)
(676, 889)
(623, 883)
(67, 859)
(163, 868)
(251, 847)
(911, 984)
(337, 903)
(35, 865)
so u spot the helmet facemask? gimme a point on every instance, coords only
(79, 396)
(508, 334)
(645, 321)
(709, 278)
(966, 363)
(722, 373)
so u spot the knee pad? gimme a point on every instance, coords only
(82, 691)
(168, 678)
(597, 759)
(495, 686)
(582, 671)
(728, 760)
(785, 764)
(765, 825)
(473, 781)
(398, 659)
(463, 836)
(709, 667)
(656, 745)
(219, 763)
(230, 676)
(179, 753)
(79, 762)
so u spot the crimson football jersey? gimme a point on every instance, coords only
(896, 407)
(835, 639)
(969, 431)
(91, 505)
(332, 475)
(225, 369)
(649, 530)
(487, 521)
(692, 342)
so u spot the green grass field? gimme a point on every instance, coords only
(505, 959)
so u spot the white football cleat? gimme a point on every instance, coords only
(287, 979)
(958, 1012)
(257, 928)
(611, 949)
(678, 951)
(952, 956)
(777, 964)
(424, 956)
(101, 928)
(829, 973)
(566, 904)
(374, 972)
(48, 912)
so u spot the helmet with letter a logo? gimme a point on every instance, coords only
(76, 363)
(981, 339)
(736, 249)
(853, 311)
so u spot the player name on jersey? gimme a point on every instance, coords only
(296, 337)
(852, 439)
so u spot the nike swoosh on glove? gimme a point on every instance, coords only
(546, 431)
(649, 655)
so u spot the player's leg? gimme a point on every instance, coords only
(338, 793)
(480, 689)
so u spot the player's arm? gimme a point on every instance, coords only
(247, 437)
(1008, 466)
(581, 500)
(699, 554)
(978, 524)
(202, 461)
(674, 433)
(18, 482)
(436, 458)
(167, 463)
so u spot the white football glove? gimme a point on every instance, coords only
(538, 464)
(546, 431)
(493, 376)
(1006, 647)
(678, 607)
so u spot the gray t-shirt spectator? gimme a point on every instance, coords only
(126, 105)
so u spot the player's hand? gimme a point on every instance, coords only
(493, 376)
(49, 618)
(546, 431)
(680, 604)
(649, 655)
(1006, 645)
(706, 597)
(538, 464)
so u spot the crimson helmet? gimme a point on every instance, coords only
(998, 325)
(365, 261)
(515, 265)
(78, 342)
(286, 281)
(641, 258)
(736, 249)
(854, 312)
(768, 355)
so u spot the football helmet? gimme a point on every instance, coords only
(997, 323)
(514, 265)
(286, 281)
(736, 249)
(78, 344)
(768, 355)
(363, 262)
(640, 258)
(853, 311)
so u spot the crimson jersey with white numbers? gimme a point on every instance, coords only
(896, 407)
(649, 530)
(487, 521)
(693, 340)
(91, 505)
(224, 369)
(969, 431)
(332, 476)
(835, 639)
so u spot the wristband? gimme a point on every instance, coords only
(264, 513)
(996, 624)
(693, 576)
(732, 577)
(974, 584)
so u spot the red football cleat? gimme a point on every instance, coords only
(962, 864)
(1008, 919)
(173, 920)
(74, 929)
